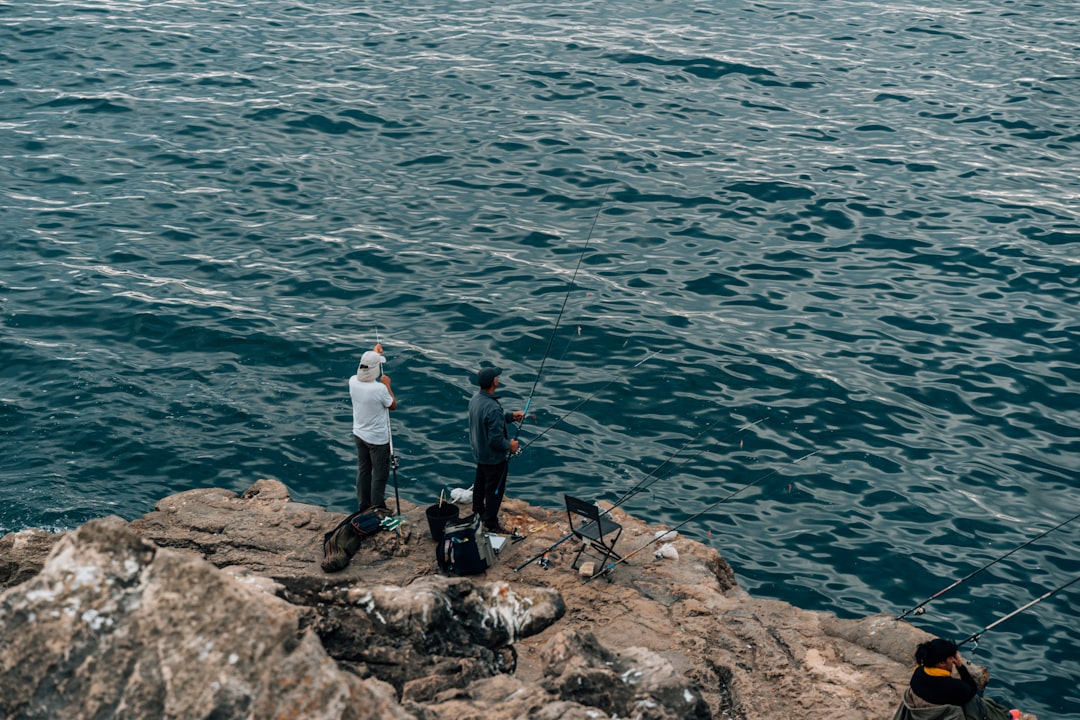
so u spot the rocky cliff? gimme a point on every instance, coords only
(214, 605)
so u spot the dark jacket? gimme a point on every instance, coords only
(487, 429)
(944, 690)
(913, 707)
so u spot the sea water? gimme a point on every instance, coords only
(800, 277)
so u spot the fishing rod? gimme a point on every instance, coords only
(393, 462)
(919, 609)
(644, 484)
(975, 636)
(558, 319)
(580, 404)
(390, 523)
(696, 515)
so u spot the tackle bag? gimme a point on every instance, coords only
(365, 523)
(341, 543)
(465, 548)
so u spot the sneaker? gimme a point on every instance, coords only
(497, 529)
(381, 511)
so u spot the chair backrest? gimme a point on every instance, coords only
(577, 506)
(591, 515)
(596, 528)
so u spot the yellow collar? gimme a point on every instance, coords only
(936, 672)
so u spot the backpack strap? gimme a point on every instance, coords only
(441, 550)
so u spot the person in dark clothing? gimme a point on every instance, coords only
(491, 446)
(933, 680)
(936, 694)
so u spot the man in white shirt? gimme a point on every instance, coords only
(372, 401)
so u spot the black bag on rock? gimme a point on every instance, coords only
(365, 523)
(465, 548)
(341, 543)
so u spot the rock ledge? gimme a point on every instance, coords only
(214, 606)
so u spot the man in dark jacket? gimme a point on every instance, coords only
(935, 693)
(491, 446)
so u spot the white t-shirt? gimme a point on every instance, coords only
(370, 401)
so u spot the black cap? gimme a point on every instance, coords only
(487, 375)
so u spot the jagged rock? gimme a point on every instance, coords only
(492, 615)
(502, 696)
(214, 604)
(436, 633)
(634, 682)
(113, 626)
(22, 554)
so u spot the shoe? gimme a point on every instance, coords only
(497, 529)
(381, 511)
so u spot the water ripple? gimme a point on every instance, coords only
(855, 223)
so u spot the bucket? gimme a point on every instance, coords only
(438, 516)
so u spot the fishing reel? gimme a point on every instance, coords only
(393, 461)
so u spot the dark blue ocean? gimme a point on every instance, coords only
(856, 224)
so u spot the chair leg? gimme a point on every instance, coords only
(573, 565)
(606, 554)
(608, 563)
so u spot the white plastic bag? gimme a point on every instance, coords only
(667, 550)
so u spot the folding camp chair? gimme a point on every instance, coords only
(595, 529)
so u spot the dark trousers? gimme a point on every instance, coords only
(372, 471)
(488, 491)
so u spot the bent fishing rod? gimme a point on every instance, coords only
(645, 482)
(919, 609)
(975, 636)
(558, 319)
(696, 515)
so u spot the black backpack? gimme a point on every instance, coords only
(465, 548)
(341, 543)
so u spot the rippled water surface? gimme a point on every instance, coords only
(851, 223)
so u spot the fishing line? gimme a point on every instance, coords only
(580, 404)
(558, 319)
(975, 636)
(919, 609)
(643, 484)
(698, 514)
